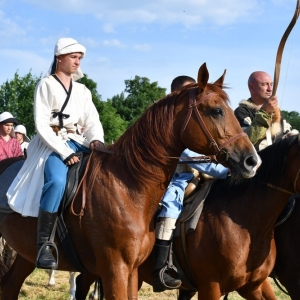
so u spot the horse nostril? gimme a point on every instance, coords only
(251, 161)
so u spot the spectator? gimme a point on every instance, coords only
(9, 146)
(20, 132)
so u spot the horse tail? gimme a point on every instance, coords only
(3, 267)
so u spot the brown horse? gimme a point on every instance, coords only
(124, 187)
(287, 266)
(233, 245)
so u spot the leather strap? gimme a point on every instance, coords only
(193, 103)
(281, 47)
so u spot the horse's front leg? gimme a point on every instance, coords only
(209, 291)
(11, 282)
(186, 295)
(115, 280)
(83, 283)
(263, 292)
(133, 285)
(72, 282)
(51, 281)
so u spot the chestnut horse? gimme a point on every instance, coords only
(287, 266)
(125, 185)
(233, 245)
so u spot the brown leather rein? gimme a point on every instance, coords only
(286, 191)
(193, 108)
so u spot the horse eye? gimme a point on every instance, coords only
(217, 112)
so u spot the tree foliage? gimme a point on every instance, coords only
(141, 94)
(16, 97)
(292, 118)
(113, 124)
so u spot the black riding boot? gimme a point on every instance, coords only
(45, 258)
(162, 280)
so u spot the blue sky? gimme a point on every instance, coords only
(155, 39)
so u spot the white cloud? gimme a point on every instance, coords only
(108, 28)
(89, 42)
(114, 43)
(9, 28)
(189, 12)
(143, 47)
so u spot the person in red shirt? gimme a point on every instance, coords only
(9, 145)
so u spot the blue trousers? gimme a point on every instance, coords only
(55, 178)
(172, 201)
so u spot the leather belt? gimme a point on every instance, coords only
(56, 129)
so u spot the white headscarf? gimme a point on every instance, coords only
(65, 46)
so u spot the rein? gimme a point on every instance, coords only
(283, 190)
(218, 149)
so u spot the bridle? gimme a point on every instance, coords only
(218, 149)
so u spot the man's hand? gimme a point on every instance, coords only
(72, 160)
(270, 105)
(96, 144)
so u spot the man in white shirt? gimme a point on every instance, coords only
(60, 104)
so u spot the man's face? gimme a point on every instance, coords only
(6, 128)
(261, 87)
(69, 63)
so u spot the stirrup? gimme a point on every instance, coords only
(162, 273)
(50, 244)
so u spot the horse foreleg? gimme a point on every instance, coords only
(133, 285)
(115, 279)
(83, 283)
(97, 293)
(12, 281)
(264, 292)
(51, 281)
(72, 282)
(209, 291)
(186, 295)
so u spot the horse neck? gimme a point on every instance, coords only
(259, 212)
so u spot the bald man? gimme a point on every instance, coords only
(260, 115)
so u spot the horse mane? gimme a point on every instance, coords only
(139, 149)
(138, 146)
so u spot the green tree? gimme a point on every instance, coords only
(113, 124)
(141, 94)
(16, 97)
(292, 118)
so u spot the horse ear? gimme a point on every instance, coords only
(203, 76)
(220, 81)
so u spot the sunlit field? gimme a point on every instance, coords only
(35, 287)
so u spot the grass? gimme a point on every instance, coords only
(36, 288)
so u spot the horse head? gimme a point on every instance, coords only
(207, 123)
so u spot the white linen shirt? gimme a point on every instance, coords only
(50, 97)
(25, 191)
